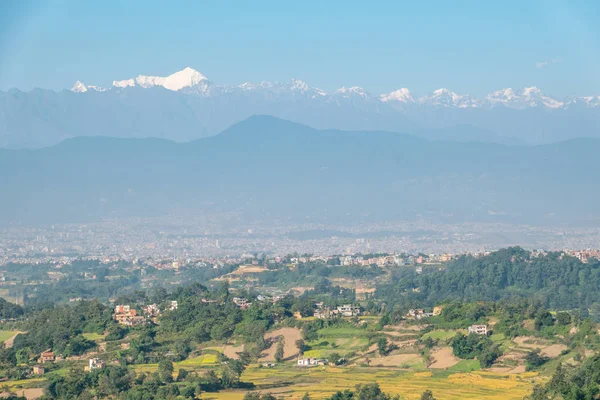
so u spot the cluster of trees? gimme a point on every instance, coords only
(122, 383)
(475, 346)
(555, 280)
(310, 273)
(572, 382)
(10, 310)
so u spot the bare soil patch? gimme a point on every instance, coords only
(290, 336)
(230, 351)
(443, 358)
(396, 360)
(553, 350)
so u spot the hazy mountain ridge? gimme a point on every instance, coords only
(186, 106)
(277, 169)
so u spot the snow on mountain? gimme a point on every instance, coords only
(354, 91)
(79, 87)
(123, 84)
(445, 98)
(402, 95)
(528, 97)
(190, 81)
(186, 78)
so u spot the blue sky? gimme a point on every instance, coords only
(467, 46)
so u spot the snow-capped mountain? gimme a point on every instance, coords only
(190, 81)
(445, 98)
(184, 79)
(527, 97)
(79, 87)
(186, 105)
(401, 95)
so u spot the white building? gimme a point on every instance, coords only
(478, 329)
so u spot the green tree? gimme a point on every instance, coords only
(427, 395)
(382, 346)
(280, 348)
(563, 318)
(165, 370)
(301, 346)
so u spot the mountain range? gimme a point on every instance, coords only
(272, 169)
(187, 105)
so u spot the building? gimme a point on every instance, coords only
(152, 310)
(241, 302)
(173, 305)
(418, 313)
(348, 310)
(95, 363)
(311, 362)
(478, 329)
(47, 356)
(124, 314)
(38, 370)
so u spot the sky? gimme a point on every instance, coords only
(470, 47)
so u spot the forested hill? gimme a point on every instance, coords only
(558, 281)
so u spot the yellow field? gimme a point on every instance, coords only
(204, 360)
(322, 382)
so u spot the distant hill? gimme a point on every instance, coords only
(269, 168)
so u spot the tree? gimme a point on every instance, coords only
(252, 396)
(165, 370)
(563, 318)
(301, 345)
(306, 396)
(382, 346)
(279, 352)
(182, 374)
(534, 359)
(427, 395)
(542, 319)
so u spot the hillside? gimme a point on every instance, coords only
(268, 168)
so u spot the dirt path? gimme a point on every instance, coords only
(11, 340)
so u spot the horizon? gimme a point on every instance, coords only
(459, 46)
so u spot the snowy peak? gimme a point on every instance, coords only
(124, 83)
(445, 98)
(527, 97)
(354, 91)
(192, 82)
(79, 87)
(186, 78)
(401, 95)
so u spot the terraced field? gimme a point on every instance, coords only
(322, 382)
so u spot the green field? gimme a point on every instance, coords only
(93, 336)
(341, 332)
(440, 334)
(5, 335)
